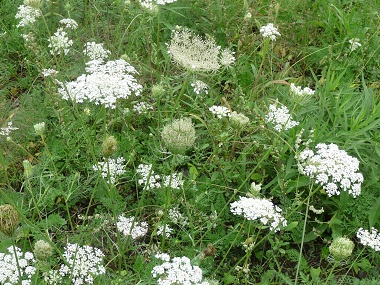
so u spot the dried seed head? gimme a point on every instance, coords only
(9, 219)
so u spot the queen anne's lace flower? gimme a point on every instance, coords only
(269, 31)
(7, 130)
(259, 209)
(354, 44)
(83, 263)
(148, 179)
(16, 266)
(27, 14)
(59, 42)
(220, 111)
(177, 271)
(199, 87)
(152, 4)
(280, 117)
(69, 24)
(111, 168)
(298, 91)
(161, 229)
(129, 227)
(142, 107)
(332, 168)
(104, 83)
(95, 51)
(370, 238)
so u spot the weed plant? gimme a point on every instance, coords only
(189, 142)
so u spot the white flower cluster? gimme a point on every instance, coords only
(60, 42)
(150, 180)
(269, 31)
(52, 277)
(152, 4)
(298, 91)
(195, 53)
(177, 218)
(7, 130)
(259, 209)
(332, 168)
(83, 263)
(129, 227)
(354, 44)
(280, 117)
(16, 266)
(372, 239)
(142, 107)
(95, 51)
(177, 271)
(105, 83)
(69, 24)
(220, 111)
(199, 87)
(111, 168)
(227, 57)
(49, 72)
(27, 14)
(167, 228)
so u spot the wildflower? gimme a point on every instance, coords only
(149, 179)
(27, 14)
(255, 189)
(177, 271)
(332, 168)
(269, 31)
(259, 209)
(370, 238)
(152, 4)
(109, 146)
(199, 87)
(16, 266)
(158, 90)
(59, 42)
(9, 219)
(195, 53)
(105, 83)
(129, 227)
(161, 230)
(227, 57)
(238, 120)
(299, 92)
(69, 24)
(33, 3)
(142, 107)
(341, 248)
(42, 250)
(49, 72)
(52, 277)
(95, 51)
(40, 128)
(111, 168)
(7, 130)
(354, 44)
(280, 117)
(173, 181)
(83, 263)
(179, 135)
(220, 111)
(177, 218)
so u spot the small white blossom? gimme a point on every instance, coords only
(129, 227)
(49, 72)
(259, 209)
(269, 31)
(27, 14)
(40, 128)
(173, 181)
(354, 44)
(227, 57)
(142, 107)
(220, 111)
(7, 130)
(176, 217)
(16, 266)
(178, 271)
(199, 87)
(83, 263)
(69, 24)
(298, 91)
(104, 84)
(95, 51)
(59, 42)
(52, 277)
(161, 229)
(369, 238)
(331, 168)
(148, 179)
(111, 168)
(280, 117)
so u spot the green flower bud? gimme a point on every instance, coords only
(158, 90)
(39, 128)
(255, 189)
(9, 219)
(238, 120)
(42, 250)
(341, 248)
(179, 136)
(28, 168)
(109, 146)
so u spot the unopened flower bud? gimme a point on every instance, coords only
(39, 128)
(42, 250)
(255, 189)
(158, 90)
(9, 219)
(238, 120)
(109, 146)
(33, 3)
(179, 136)
(28, 168)
(341, 248)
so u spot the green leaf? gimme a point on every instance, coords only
(374, 213)
(315, 272)
(291, 226)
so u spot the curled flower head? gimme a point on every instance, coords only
(9, 219)
(179, 136)
(341, 248)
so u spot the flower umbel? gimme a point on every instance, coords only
(280, 117)
(111, 168)
(269, 31)
(27, 15)
(370, 238)
(332, 168)
(220, 111)
(341, 248)
(179, 135)
(129, 227)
